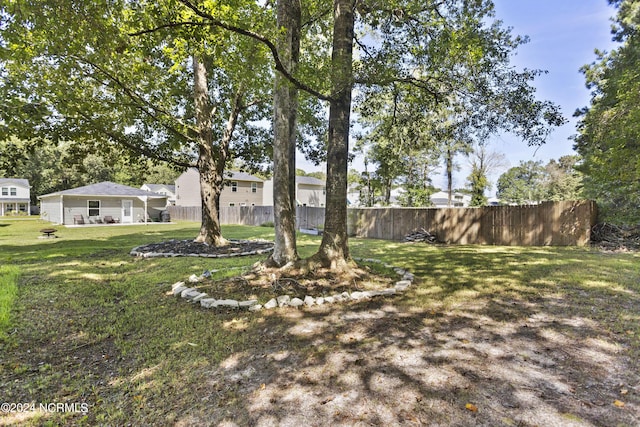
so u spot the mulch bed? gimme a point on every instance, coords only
(189, 247)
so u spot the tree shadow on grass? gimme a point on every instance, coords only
(524, 343)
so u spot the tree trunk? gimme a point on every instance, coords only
(449, 166)
(334, 249)
(284, 144)
(211, 159)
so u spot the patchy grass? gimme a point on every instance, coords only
(8, 290)
(527, 336)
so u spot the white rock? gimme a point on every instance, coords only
(400, 271)
(194, 279)
(207, 302)
(408, 276)
(402, 285)
(177, 285)
(296, 302)
(226, 303)
(177, 291)
(190, 293)
(320, 300)
(185, 291)
(248, 303)
(197, 298)
(283, 300)
(272, 303)
(309, 300)
(358, 295)
(256, 307)
(388, 291)
(345, 295)
(329, 300)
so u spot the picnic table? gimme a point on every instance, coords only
(48, 232)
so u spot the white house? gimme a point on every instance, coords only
(15, 196)
(164, 189)
(105, 202)
(310, 191)
(458, 200)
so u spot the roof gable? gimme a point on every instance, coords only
(15, 181)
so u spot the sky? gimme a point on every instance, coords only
(563, 37)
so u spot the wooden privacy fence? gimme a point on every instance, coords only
(566, 223)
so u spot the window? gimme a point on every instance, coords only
(14, 191)
(234, 186)
(243, 204)
(93, 208)
(5, 191)
(254, 187)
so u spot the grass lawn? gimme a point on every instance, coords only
(488, 336)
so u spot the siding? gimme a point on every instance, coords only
(109, 206)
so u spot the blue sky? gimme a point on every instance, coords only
(563, 36)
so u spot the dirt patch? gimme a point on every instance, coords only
(263, 284)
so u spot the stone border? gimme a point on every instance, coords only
(195, 296)
(136, 252)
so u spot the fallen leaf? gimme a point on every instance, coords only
(619, 404)
(471, 407)
(263, 386)
(624, 391)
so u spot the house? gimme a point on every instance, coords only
(102, 202)
(440, 199)
(240, 189)
(15, 196)
(310, 191)
(164, 189)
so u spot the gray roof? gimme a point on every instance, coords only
(241, 176)
(309, 180)
(159, 187)
(15, 181)
(109, 189)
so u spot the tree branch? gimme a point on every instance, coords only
(212, 21)
(142, 104)
(122, 140)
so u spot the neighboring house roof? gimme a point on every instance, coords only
(241, 176)
(309, 180)
(160, 187)
(105, 189)
(15, 181)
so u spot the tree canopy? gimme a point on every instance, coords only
(531, 182)
(609, 129)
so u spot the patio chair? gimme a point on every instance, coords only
(108, 219)
(78, 219)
